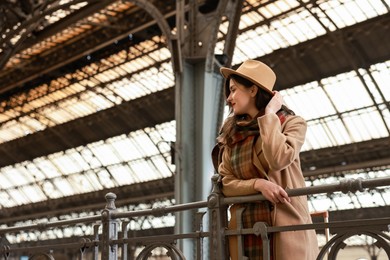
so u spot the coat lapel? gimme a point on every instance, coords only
(256, 155)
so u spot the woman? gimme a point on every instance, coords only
(261, 141)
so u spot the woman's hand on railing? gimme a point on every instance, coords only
(271, 191)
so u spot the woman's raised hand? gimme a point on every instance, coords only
(275, 104)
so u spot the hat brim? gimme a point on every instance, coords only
(227, 72)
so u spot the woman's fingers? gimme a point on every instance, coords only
(282, 197)
(275, 103)
(271, 191)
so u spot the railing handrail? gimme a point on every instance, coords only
(348, 185)
(345, 186)
(158, 211)
(50, 224)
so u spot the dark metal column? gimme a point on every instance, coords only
(199, 102)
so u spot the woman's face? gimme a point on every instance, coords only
(242, 99)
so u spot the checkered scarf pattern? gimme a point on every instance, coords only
(256, 212)
(241, 156)
(242, 146)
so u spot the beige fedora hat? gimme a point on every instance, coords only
(255, 71)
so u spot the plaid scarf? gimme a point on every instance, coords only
(242, 146)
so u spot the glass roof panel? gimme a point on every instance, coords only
(13, 130)
(346, 13)
(92, 180)
(19, 197)
(4, 182)
(361, 124)
(6, 199)
(381, 75)
(386, 113)
(144, 170)
(51, 190)
(301, 98)
(32, 170)
(273, 8)
(63, 186)
(143, 143)
(47, 167)
(125, 149)
(321, 134)
(4, 116)
(339, 132)
(121, 174)
(250, 19)
(347, 92)
(31, 124)
(17, 175)
(316, 137)
(162, 164)
(97, 101)
(104, 153)
(56, 116)
(34, 193)
(89, 157)
(82, 184)
(65, 163)
(105, 179)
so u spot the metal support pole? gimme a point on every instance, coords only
(198, 92)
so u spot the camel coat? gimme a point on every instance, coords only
(276, 155)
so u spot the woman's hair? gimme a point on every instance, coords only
(228, 128)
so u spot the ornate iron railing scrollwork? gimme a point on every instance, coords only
(333, 246)
(41, 256)
(84, 245)
(6, 252)
(173, 251)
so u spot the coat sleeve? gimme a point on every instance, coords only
(231, 185)
(281, 148)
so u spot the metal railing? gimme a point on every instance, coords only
(111, 241)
